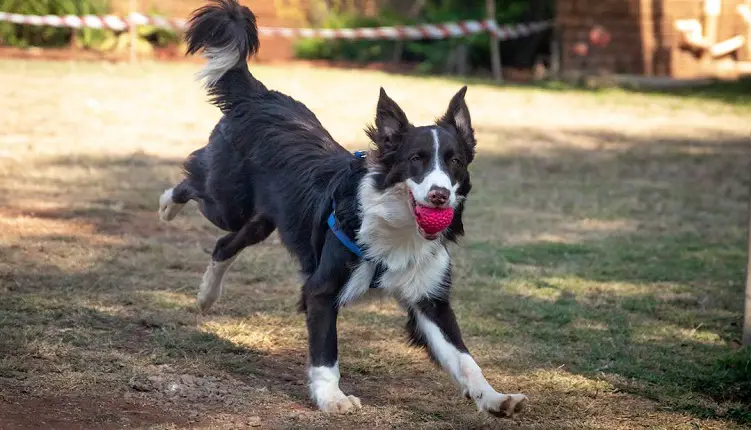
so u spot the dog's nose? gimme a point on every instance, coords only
(438, 196)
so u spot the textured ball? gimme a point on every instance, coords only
(433, 220)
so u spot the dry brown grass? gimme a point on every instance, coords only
(601, 274)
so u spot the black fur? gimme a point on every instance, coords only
(270, 164)
(223, 23)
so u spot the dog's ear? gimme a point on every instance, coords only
(457, 116)
(390, 122)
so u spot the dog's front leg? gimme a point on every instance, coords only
(323, 373)
(432, 324)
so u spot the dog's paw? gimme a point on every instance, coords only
(339, 403)
(205, 302)
(209, 291)
(168, 209)
(502, 405)
(329, 398)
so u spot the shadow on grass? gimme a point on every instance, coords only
(623, 263)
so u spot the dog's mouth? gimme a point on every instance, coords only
(426, 226)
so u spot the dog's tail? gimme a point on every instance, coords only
(226, 32)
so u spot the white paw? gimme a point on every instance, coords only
(338, 402)
(211, 284)
(210, 290)
(325, 392)
(501, 405)
(168, 209)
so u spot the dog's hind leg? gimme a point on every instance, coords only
(225, 252)
(172, 200)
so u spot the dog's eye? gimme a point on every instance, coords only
(455, 161)
(415, 157)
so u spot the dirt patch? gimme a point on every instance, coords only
(27, 411)
(163, 383)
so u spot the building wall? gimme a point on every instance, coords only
(270, 13)
(644, 38)
(624, 54)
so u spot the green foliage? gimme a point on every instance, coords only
(87, 38)
(159, 37)
(432, 55)
(351, 50)
(29, 35)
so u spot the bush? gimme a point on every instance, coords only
(29, 35)
(351, 50)
(432, 55)
(87, 38)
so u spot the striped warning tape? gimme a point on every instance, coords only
(415, 32)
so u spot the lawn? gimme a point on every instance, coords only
(601, 275)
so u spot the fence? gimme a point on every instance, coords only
(415, 32)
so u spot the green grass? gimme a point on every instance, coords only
(602, 273)
(734, 95)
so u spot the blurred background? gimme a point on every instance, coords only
(602, 273)
(668, 38)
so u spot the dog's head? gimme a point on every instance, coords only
(430, 161)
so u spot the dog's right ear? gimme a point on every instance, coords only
(390, 123)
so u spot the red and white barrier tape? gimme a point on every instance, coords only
(422, 31)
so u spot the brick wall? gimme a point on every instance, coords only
(270, 13)
(644, 39)
(620, 17)
(272, 48)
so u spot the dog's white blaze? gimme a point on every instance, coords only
(436, 177)
(325, 392)
(211, 284)
(463, 368)
(436, 148)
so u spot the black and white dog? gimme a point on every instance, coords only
(270, 165)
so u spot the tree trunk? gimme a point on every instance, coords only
(413, 13)
(495, 47)
(747, 307)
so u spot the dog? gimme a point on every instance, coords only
(270, 165)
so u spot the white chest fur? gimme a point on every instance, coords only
(415, 267)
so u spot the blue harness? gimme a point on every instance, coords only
(341, 235)
(351, 245)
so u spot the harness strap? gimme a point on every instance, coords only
(342, 236)
(353, 247)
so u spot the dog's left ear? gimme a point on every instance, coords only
(390, 120)
(457, 116)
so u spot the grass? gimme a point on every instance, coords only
(601, 275)
(730, 94)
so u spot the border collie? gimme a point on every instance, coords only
(270, 165)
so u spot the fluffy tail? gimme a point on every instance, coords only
(226, 32)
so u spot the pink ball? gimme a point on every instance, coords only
(433, 220)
